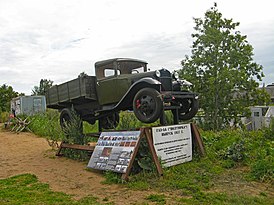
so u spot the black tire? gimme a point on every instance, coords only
(110, 121)
(189, 108)
(65, 117)
(148, 105)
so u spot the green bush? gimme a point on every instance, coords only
(243, 148)
(263, 169)
(47, 125)
(73, 134)
(4, 117)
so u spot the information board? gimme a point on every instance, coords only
(114, 151)
(173, 144)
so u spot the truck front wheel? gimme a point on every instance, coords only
(110, 122)
(148, 105)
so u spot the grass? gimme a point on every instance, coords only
(225, 199)
(26, 189)
(232, 155)
(158, 198)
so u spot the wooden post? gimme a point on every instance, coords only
(75, 146)
(163, 118)
(153, 152)
(125, 175)
(147, 133)
(59, 150)
(197, 138)
(176, 116)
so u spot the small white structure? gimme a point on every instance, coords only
(28, 105)
(261, 117)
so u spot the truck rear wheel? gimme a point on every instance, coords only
(189, 108)
(148, 105)
(66, 118)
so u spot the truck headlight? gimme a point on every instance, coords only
(175, 75)
(186, 83)
(158, 73)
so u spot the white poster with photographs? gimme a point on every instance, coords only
(114, 150)
(173, 144)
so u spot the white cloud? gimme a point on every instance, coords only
(59, 39)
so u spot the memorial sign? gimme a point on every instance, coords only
(173, 144)
(114, 151)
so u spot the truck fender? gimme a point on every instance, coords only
(126, 101)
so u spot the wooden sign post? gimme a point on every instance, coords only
(145, 132)
(198, 142)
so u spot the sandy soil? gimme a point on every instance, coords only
(27, 153)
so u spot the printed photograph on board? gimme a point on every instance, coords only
(114, 151)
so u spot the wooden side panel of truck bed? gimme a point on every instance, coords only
(76, 91)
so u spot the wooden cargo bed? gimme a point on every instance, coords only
(77, 91)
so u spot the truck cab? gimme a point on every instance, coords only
(114, 78)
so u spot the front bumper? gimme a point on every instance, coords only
(170, 97)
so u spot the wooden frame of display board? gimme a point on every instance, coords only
(144, 133)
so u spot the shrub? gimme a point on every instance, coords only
(263, 169)
(235, 152)
(4, 117)
(73, 134)
(47, 125)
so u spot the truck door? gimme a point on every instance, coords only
(111, 86)
(106, 90)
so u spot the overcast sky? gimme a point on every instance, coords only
(58, 39)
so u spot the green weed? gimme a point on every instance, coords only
(4, 116)
(73, 134)
(158, 198)
(112, 178)
(225, 199)
(47, 125)
(139, 185)
(25, 189)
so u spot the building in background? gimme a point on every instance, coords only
(270, 90)
(28, 105)
(261, 117)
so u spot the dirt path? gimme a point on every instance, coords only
(27, 153)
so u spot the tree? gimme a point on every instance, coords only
(6, 94)
(42, 88)
(83, 74)
(222, 70)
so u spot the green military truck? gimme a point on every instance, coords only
(123, 84)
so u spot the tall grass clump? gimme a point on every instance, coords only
(4, 117)
(262, 155)
(47, 125)
(73, 134)
(128, 121)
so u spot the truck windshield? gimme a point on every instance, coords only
(131, 67)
